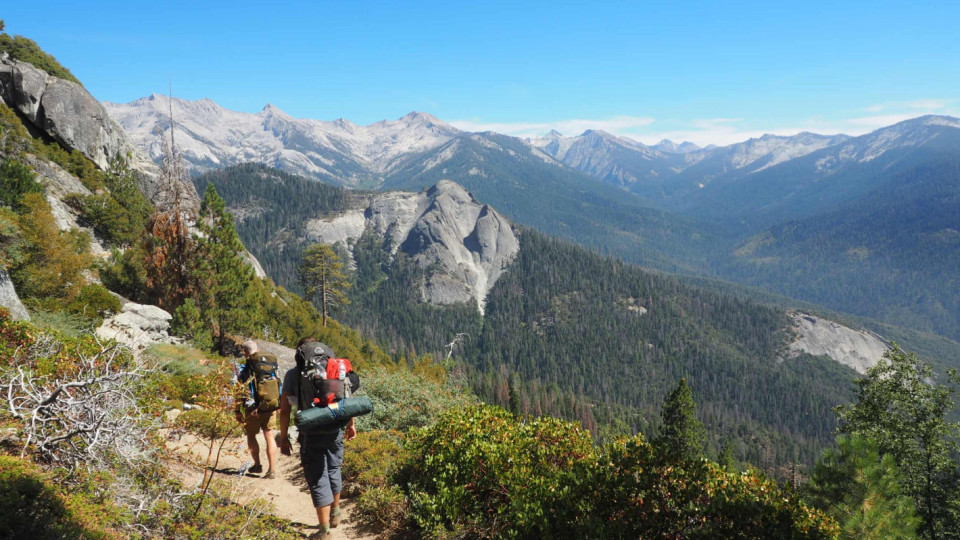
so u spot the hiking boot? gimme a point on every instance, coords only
(270, 475)
(321, 535)
(255, 469)
(334, 517)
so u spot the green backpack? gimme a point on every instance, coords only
(266, 381)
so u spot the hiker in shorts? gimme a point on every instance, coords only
(253, 413)
(321, 450)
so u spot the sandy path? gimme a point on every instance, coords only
(287, 493)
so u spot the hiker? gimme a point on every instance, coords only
(321, 449)
(256, 413)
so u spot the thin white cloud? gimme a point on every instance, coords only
(718, 131)
(928, 105)
(617, 124)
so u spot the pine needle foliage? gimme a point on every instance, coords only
(323, 278)
(902, 407)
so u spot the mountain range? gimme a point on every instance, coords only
(865, 225)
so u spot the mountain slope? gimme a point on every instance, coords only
(822, 180)
(892, 254)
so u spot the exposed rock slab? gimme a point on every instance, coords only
(138, 326)
(66, 112)
(10, 300)
(444, 227)
(858, 349)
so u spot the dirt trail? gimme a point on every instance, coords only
(287, 493)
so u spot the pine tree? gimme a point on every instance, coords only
(323, 278)
(228, 299)
(862, 490)
(681, 434)
(901, 407)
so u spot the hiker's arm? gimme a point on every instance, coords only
(351, 430)
(285, 423)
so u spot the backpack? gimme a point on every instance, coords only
(324, 379)
(265, 381)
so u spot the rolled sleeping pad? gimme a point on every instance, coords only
(316, 417)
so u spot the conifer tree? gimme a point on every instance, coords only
(168, 246)
(862, 490)
(228, 298)
(901, 407)
(323, 279)
(681, 434)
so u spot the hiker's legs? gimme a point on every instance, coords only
(271, 449)
(320, 457)
(323, 515)
(254, 448)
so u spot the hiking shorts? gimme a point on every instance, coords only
(253, 424)
(321, 456)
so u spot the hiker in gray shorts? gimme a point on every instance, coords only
(321, 451)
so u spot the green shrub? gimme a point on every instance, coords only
(209, 423)
(34, 506)
(125, 274)
(371, 459)
(383, 508)
(403, 400)
(481, 473)
(188, 323)
(647, 498)
(16, 179)
(27, 50)
(95, 302)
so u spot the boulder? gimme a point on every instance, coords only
(10, 300)
(64, 111)
(138, 326)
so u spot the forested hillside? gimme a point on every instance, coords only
(891, 255)
(572, 334)
(271, 208)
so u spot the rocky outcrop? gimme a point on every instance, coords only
(858, 349)
(57, 184)
(138, 326)
(64, 111)
(10, 300)
(463, 244)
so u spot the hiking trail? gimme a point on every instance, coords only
(286, 493)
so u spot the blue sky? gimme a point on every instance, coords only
(710, 72)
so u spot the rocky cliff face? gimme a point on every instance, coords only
(65, 112)
(858, 349)
(463, 244)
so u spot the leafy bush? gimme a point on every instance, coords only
(403, 400)
(371, 459)
(16, 179)
(124, 273)
(35, 506)
(209, 423)
(95, 302)
(188, 324)
(27, 50)
(481, 473)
